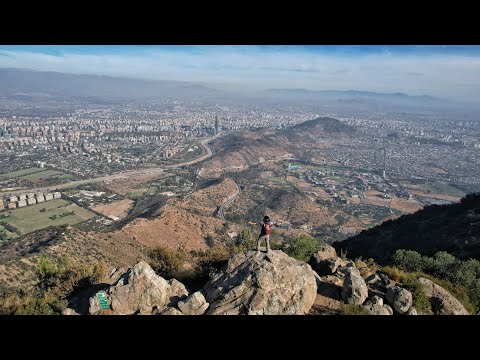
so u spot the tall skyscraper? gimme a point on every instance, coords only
(217, 125)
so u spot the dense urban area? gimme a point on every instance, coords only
(395, 164)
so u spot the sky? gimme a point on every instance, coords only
(443, 71)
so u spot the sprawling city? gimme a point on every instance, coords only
(107, 180)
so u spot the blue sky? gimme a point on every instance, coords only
(444, 71)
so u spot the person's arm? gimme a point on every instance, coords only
(252, 223)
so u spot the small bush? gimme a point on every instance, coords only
(167, 261)
(212, 260)
(302, 247)
(350, 309)
(245, 239)
(408, 260)
(46, 269)
(20, 303)
(392, 272)
(372, 265)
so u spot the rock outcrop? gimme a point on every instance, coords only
(326, 261)
(378, 282)
(195, 304)
(140, 290)
(399, 298)
(443, 303)
(354, 288)
(273, 284)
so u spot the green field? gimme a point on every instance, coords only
(23, 172)
(30, 218)
(139, 193)
(439, 188)
(43, 175)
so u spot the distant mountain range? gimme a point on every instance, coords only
(353, 93)
(21, 83)
(29, 85)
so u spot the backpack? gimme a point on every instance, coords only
(267, 228)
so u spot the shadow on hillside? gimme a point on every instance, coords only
(79, 300)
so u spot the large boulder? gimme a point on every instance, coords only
(273, 284)
(140, 290)
(325, 261)
(354, 288)
(443, 303)
(399, 298)
(195, 304)
(375, 309)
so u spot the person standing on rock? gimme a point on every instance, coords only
(265, 230)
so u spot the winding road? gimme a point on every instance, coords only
(221, 209)
(125, 174)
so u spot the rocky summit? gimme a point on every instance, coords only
(269, 284)
(273, 284)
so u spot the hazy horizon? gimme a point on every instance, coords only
(441, 71)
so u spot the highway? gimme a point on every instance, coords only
(221, 210)
(123, 175)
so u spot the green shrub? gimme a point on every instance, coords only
(467, 273)
(245, 239)
(46, 269)
(461, 278)
(444, 265)
(302, 247)
(33, 303)
(211, 260)
(63, 277)
(167, 261)
(408, 260)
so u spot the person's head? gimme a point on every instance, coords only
(266, 218)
